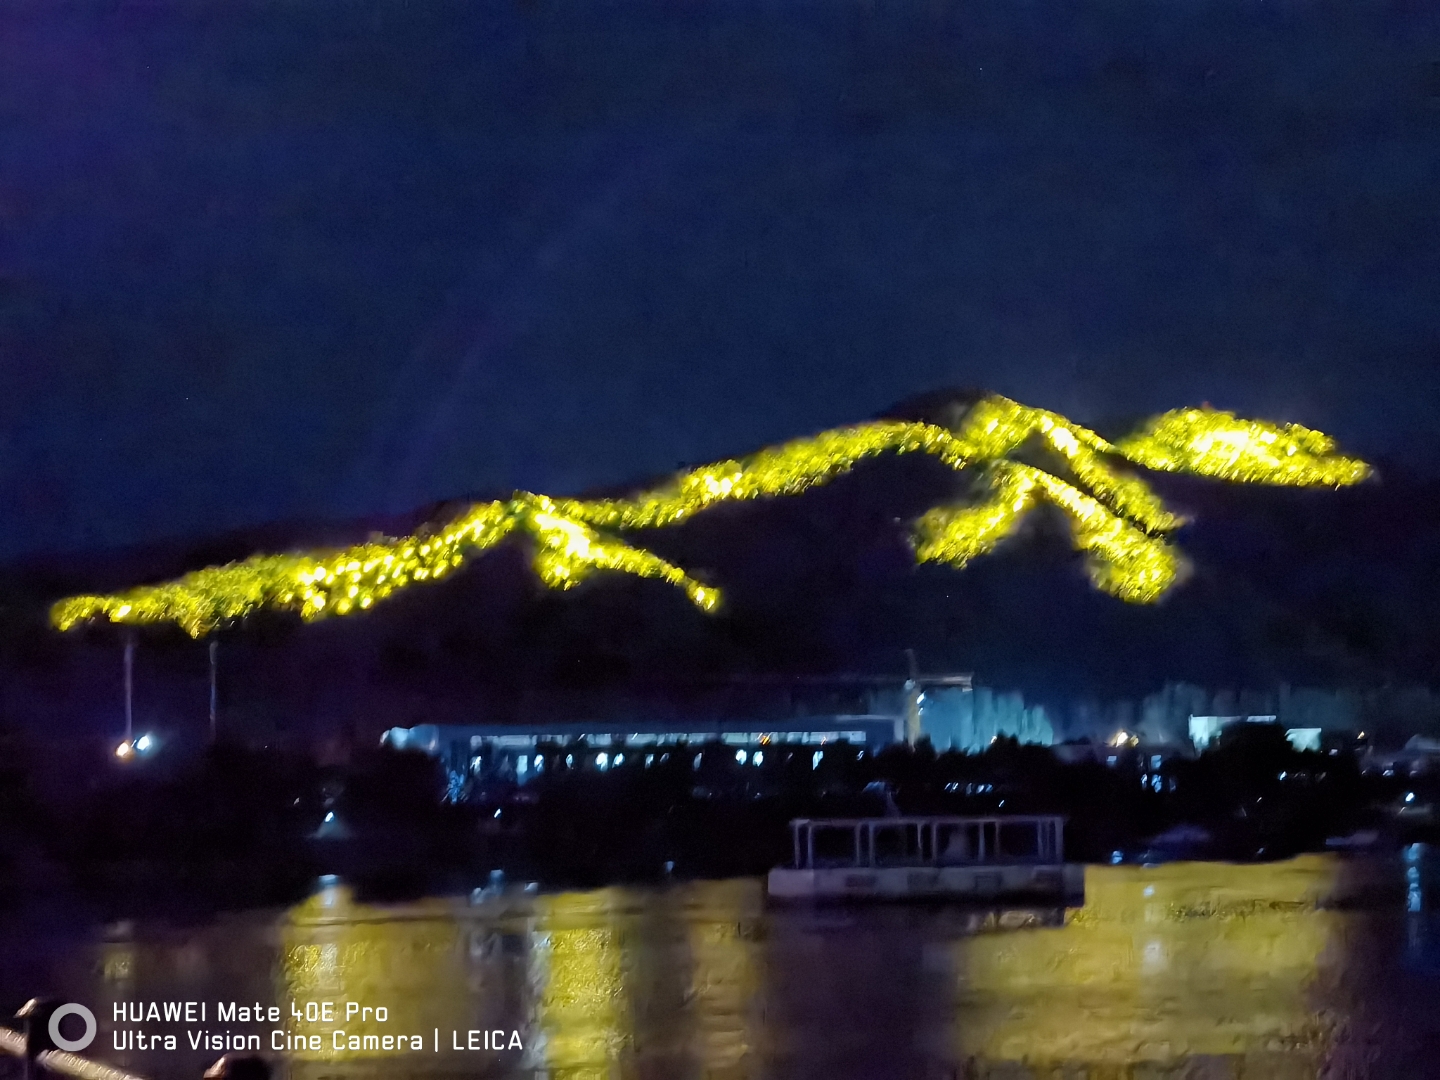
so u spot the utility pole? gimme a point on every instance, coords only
(130, 690)
(912, 700)
(214, 697)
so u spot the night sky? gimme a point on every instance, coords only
(322, 259)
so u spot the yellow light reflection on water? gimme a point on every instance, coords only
(407, 961)
(726, 939)
(1162, 964)
(1162, 967)
(583, 1008)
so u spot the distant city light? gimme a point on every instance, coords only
(1410, 796)
(124, 750)
(144, 743)
(330, 815)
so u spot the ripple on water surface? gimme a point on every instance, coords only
(1187, 969)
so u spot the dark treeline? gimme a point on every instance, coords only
(236, 828)
(724, 818)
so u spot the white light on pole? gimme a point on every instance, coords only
(127, 748)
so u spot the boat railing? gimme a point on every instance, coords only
(824, 843)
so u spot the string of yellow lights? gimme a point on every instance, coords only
(1115, 517)
(1208, 442)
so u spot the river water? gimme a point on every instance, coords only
(1199, 970)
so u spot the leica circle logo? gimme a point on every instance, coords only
(72, 1045)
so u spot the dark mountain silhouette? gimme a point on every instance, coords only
(1321, 588)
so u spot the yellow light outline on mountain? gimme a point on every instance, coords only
(1115, 517)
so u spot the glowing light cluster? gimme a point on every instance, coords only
(957, 534)
(788, 469)
(1208, 442)
(314, 584)
(1115, 518)
(570, 550)
(1124, 561)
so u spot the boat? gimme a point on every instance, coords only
(913, 858)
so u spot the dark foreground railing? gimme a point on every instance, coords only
(40, 1055)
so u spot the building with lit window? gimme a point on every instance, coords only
(513, 751)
